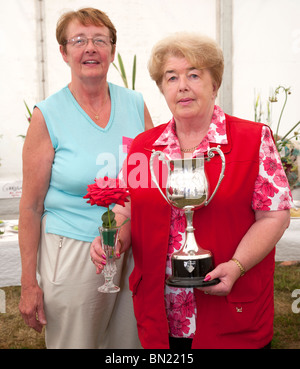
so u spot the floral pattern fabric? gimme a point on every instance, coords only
(271, 192)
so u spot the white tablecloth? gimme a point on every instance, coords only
(288, 248)
(10, 262)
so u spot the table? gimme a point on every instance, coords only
(288, 248)
(10, 261)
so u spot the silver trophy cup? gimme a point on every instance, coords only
(187, 189)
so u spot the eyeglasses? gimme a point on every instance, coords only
(81, 41)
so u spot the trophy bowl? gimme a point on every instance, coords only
(187, 189)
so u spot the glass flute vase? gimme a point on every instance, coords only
(109, 239)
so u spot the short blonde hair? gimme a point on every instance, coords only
(85, 16)
(201, 51)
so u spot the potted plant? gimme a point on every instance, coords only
(288, 144)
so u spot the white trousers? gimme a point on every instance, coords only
(78, 316)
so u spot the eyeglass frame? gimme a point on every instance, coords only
(86, 39)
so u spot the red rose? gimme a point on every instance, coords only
(106, 191)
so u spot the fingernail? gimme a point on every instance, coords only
(103, 262)
(207, 278)
(117, 254)
(104, 256)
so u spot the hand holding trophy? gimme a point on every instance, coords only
(187, 189)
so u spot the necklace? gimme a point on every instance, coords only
(96, 114)
(189, 150)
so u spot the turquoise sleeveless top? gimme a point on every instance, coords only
(84, 151)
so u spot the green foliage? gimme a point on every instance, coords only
(108, 219)
(28, 111)
(285, 144)
(122, 72)
(28, 118)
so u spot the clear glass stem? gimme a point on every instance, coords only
(109, 238)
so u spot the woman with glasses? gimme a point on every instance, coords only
(75, 135)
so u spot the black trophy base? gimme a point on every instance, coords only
(191, 272)
(190, 282)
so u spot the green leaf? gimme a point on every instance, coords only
(108, 219)
(116, 67)
(28, 110)
(134, 72)
(123, 73)
(125, 221)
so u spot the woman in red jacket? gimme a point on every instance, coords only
(241, 225)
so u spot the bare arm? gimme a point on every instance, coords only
(253, 248)
(38, 155)
(262, 236)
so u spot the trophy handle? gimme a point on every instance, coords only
(211, 155)
(161, 156)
